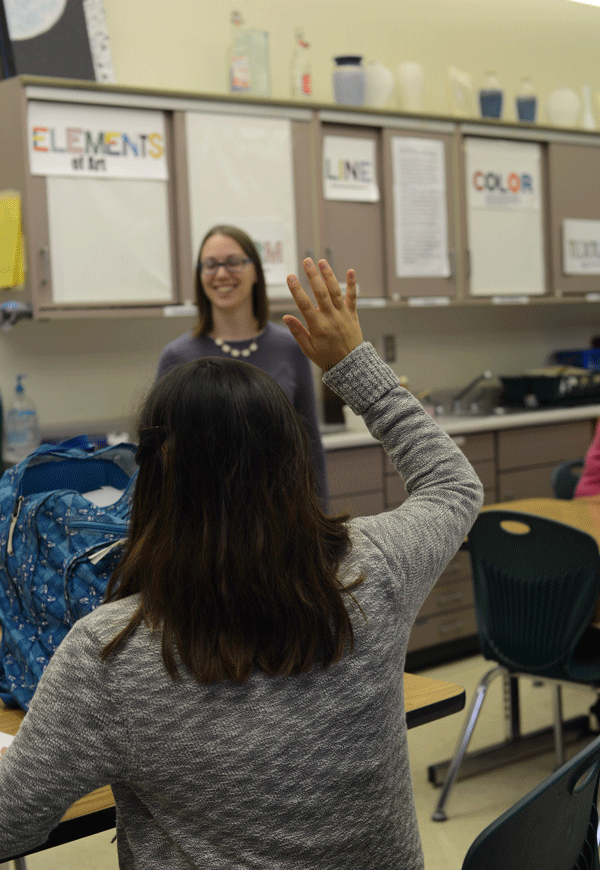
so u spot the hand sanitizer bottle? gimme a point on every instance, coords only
(21, 431)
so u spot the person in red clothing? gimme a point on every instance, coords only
(589, 482)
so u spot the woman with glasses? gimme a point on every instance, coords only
(234, 322)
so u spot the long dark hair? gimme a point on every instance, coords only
(234, 560)
(260, 305)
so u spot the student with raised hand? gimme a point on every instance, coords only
(242, 688)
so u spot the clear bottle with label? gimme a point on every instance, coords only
(21, 429)
(301, 80)
(239, 57)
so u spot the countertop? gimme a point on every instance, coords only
(455, 425)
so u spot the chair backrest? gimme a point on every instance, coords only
(554, 827)
(564, 478)
(536, 585)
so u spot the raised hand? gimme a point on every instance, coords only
(332, 328)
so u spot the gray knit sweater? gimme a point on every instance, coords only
(304, 772)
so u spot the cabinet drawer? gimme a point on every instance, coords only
(525, 483)
(448, 597)
(354, 470)
(477, 447)
(486, 473)
(433, 630)
(458, 568)
(539, 445)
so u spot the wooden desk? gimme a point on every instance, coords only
(425, 700)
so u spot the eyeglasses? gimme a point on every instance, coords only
(234, 265)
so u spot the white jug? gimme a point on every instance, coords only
(411, 80)
(379, 81)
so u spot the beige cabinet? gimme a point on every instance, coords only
(352, 232)
(420, 202)
(526, 456)
(355, 481)
(573, 193)
(95, 182)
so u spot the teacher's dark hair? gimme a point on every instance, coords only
(260, 305)
(234, 560)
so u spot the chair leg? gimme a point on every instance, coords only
(439, 814)
(559, 746)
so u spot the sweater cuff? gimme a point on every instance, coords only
(361, 378)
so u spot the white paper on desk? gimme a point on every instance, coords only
(5, 739)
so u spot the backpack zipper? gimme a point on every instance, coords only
(13, 523)
(100, 554)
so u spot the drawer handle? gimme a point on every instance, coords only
(451, 627)
(459, 440)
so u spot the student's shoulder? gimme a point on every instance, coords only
(107, 620)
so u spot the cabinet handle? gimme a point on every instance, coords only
(44, 266)
(329, 258)
(309, 253)
(452, 262)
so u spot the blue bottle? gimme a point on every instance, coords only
(490, 98)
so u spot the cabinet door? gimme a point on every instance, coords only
(504, 204)
(103, 238)
(419, 208)
(574, 193)
(352, 231)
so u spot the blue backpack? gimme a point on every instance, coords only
(57, 551)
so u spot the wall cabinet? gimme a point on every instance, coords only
(573, 192)
(126, 245)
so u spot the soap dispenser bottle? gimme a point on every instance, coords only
(21, 430)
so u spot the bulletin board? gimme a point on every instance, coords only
(240, 172)
(504, 217)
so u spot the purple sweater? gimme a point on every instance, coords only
(278, 355)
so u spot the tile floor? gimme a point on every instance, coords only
(473, 803)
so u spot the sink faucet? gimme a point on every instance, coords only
(457, 399)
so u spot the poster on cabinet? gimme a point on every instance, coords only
(581, 247)
(349, 169)
(504, 217)
(240, 172)
(420, 208)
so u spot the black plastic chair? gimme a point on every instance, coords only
(554, 827)
(564, 478)
(536, 585)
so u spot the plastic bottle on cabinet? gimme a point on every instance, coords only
(301, 67)
(21, 430)
(239, 57)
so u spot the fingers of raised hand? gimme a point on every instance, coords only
(351, 290)
(331, 283)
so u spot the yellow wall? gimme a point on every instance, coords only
(183, 44)
(91, 370)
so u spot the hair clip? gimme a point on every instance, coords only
(151, 439)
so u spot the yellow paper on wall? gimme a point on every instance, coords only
(12, 259)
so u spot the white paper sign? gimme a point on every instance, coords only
(504, 218)
(349, 169)
(240, 172)
(95, 141)
(581, 247)
(420, 221)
